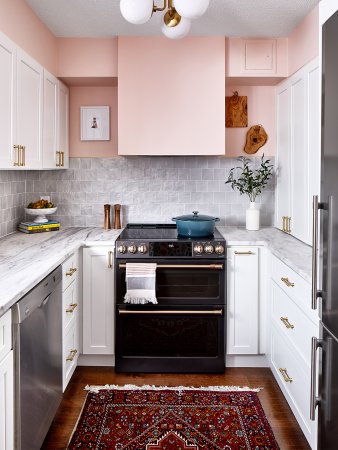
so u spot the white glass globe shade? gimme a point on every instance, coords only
(136, 11)
(178, 32)
(191, 9)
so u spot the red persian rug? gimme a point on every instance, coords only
(148, 418)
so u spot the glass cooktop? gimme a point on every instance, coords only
(159, 232)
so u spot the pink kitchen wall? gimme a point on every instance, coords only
(304, 41)
(261, 111)
(22, 25)
(92, 96)
(87, 57)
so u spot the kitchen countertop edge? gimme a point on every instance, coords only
(18, 256)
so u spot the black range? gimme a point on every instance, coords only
(185, 331)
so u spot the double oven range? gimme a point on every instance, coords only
(185, 331)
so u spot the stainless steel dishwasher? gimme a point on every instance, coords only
(37, 332)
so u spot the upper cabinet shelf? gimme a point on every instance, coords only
(256, 61)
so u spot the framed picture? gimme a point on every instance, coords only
(95, 123)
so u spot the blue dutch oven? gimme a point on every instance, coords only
(193, 225)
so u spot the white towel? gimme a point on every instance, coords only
(141, 281)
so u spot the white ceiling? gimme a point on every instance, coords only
(102, 18)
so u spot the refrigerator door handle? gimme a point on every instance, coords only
(314, 400)
(315, 293)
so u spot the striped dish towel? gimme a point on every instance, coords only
(141, 280)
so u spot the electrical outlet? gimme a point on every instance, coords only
(45, 197)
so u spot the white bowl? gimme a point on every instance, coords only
(41, 213)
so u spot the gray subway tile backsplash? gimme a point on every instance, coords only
(149, 189)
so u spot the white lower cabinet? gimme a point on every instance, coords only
(70, 317)
(98, 300)
(6, 384)
(243, 304)
(293, 324)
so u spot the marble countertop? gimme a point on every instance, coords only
(290, 250)
(26, 259)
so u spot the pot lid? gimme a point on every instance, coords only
(196, 218)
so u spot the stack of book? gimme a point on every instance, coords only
(32, 227)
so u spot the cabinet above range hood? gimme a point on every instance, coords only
(171, 96)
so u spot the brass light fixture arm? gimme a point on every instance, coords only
(157, 8)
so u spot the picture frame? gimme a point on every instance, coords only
(95, 123)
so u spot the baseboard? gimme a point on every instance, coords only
(246, 361)
(96, 360)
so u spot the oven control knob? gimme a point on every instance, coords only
(198, 248)
(209, 249)
(122, 249)
(132, 249)
(142, 249)
(219, 249)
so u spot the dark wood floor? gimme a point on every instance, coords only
(284, 425)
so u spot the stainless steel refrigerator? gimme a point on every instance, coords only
(327, 209)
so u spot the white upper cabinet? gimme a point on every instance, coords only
(298, 150)
(34, 113)
(7, 103)
(63, 125)
(283, 155)
(55, 123)
(29, 110)
(51, 159)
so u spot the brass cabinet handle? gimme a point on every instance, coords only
(286, 224)
(17, 147)
(71, 272)
(244, 253)
(62, 159)
(58, 160)
(287, 282)
(286, 322)
(23, 155)
(110, 259)
(71, 308)
(71, 355)
(285, 375)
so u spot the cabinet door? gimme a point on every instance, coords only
(63, 125)
(7, 403)
(98, 300)
(243, 307)
(50, 158)
(29, 109)
(299, 154)
(7, 103)
(283, 155)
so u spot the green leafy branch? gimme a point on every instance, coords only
(250, 182)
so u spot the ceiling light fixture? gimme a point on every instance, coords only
(176, 20)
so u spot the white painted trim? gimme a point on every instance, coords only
(96, 360)
(246, 361)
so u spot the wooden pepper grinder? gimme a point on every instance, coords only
(107, 225)
(117, 216)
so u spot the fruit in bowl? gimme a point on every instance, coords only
(39, 204)
(40, 209)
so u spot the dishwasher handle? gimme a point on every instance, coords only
(37, 298)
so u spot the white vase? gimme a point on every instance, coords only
(252, 217)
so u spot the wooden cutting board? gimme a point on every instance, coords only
(236, 111)
(255, 139)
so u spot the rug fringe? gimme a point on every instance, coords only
(132, 387)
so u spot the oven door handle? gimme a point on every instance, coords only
(184, 266)
(211, 312)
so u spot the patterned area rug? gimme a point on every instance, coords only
(149, 418)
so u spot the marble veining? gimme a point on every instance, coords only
(25, 259)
